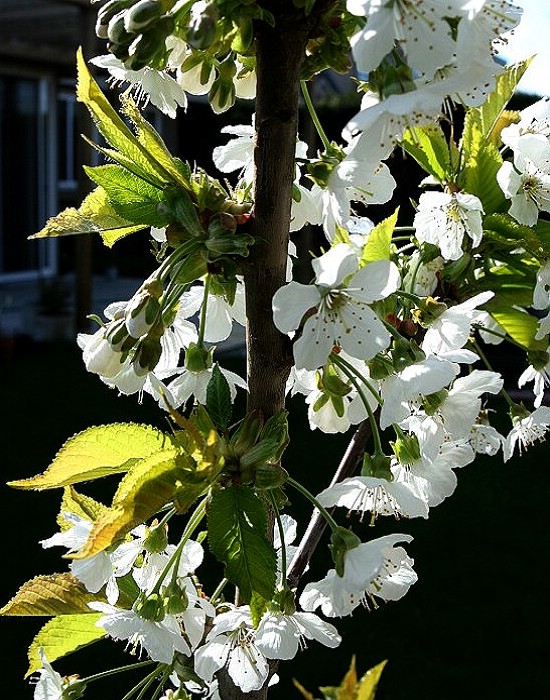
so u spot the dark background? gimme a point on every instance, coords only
(474, 626)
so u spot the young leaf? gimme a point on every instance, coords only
(428, 146)
(482, 161)
(218, 399)
(97, 452)
(151, 484)
(55, 594)
(366, 688)
(84, 506)
(95, 215)
(520, 326)
(378, 245)
(113, 128)
(237, 524)
(63, 635)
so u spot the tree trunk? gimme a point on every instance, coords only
(279, 54)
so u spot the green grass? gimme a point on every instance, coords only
(474, 626)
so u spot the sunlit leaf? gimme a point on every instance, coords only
(366, 688)
(97, 452)
(63, 635)
(428, 146)
(520, 326)
(54, 594)
(95, 215)
(378, 246)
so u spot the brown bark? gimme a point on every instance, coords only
(279, 54)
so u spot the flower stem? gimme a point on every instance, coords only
(313, 114)
(324, 512)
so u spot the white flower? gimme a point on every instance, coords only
(279, 636)
(420, 27)
(451, 330)
(442, 219)
(219, 313)
(146, 84)
(526, 431)
(393, 576)
(400, 391)
(485, 439)
(231, 644)
(540, 378)
(377, 496)
(237, 153)
(49, 684)
(99, 569)
(159, 639)
(194, 384)
(422, 277)
(541, 293)
(535, 119)
(527, 182)
(342, 316)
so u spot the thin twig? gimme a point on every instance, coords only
(317, 524)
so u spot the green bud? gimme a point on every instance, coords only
(198, 358)
(230, 244)
(147, 356)
(260, 453)
(269, 476)
(116, 31)
(143, 13)
(247, 433)
(457, 270)
(117, 333)
(222, 94)
(106, 13)
(150, 607)
(141, 313)
(221, 223)
(203, 27)
(276, 429)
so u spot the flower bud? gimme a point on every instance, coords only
(106, 13)
(116, 31)
(143, 13)
(270, 476)
(247, 433)
(141, 313)
(175, 599)
(147, 356)
(156, 539)
(203, 26)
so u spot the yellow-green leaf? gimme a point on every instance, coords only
(114, 129)
(54, 594)
(97, 452)
(142, 492)
(79, 504)
(520, 326)
(151, 140)
(378, 244)
(95, 215)
(63, 635)
(303, 692)
(428, 146)
(366, 688)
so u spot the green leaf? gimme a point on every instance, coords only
(151, 484)
(428, 146)
(83, 506)
(378, 246)
(114, 129)
(130, 196)
(218, 399)
(54, 594)
(153, 143)
(237, 524)
(63, 635)
(97, 452)
(520, 326)
(95, 215)
(482, 160)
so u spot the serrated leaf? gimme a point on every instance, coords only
(63, 635)
(95, 215)
(237, 525)
(366, 688)
(79, 504)
(428, 146)
(520, 326)
(151, 140)
(487, 116)
(151, 484)
(482, 160)
(97, 452)
(258, 606)
(54, 594)
(378, 246)
(218, 399)
(114, 129)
